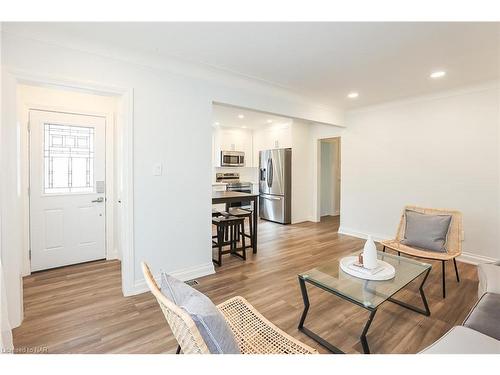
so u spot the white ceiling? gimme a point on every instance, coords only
(324, 61)
(227, 117)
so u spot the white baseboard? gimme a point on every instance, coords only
(303, 220)
(184, 274)
(113, 254)
(355, 233)
(466, 257)
(331, 214)
(475, 258)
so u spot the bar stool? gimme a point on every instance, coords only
(231, 225)
(243, 213)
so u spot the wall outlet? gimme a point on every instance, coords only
(157, 169)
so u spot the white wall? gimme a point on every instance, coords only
(302, 158)
(172, 115)
(435, 151)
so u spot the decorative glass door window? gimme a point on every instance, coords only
(68, 159)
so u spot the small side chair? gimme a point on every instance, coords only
(453, 242)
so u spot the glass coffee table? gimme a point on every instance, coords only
(368, 294)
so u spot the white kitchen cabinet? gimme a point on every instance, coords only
(274, 136)
(250, 142)
(232, 139)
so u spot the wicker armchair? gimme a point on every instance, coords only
(254, 333)
(453, 242)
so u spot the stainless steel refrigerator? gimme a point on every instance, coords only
(275, 185)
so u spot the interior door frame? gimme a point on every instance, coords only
(124, 123)
(109, 142)
(317, 171)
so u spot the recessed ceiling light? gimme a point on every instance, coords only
(269, 121)
(438, 74)
(243, 127)
(216, 123)
(241, 116)
(352, 95)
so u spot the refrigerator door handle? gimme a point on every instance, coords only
(270, 198)
(270, 172)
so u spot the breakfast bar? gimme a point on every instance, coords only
(227, 197)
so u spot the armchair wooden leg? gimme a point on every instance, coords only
(444, 279)
(178, 351)
(383, 249)
(456, 269)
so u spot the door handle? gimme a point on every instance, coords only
(270, 198)
(98, 200)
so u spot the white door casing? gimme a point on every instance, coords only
(67, 190)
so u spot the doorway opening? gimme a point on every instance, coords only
(329, 180)
(73, 173)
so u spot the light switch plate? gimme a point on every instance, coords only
(157, 169)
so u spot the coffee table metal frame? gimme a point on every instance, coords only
(373, 310)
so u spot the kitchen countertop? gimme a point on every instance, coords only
(219, 183)
(236, 196)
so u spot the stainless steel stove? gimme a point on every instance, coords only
(234, 184)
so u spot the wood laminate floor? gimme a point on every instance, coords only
(80, 309)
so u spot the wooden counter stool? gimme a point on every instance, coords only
(231, 225)
(243, 213)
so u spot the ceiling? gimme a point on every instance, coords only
(323, 61)
(227, 117)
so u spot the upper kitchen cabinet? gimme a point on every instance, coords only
(232, 139)
(272, 136)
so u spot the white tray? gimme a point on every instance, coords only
(387, 273)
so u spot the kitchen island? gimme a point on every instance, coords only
(235, 196)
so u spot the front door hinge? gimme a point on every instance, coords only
(29, 253)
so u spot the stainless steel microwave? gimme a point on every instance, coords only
(232, 159)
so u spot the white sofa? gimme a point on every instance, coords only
(480, 332)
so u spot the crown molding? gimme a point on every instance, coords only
(463, 90)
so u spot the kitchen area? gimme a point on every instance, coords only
(265, 169)
(251, 176)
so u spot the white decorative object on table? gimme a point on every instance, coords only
(383, 270)
(370, 254)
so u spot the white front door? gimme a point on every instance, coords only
(67, 189)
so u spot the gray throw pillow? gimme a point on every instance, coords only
(425, 231)
(208, 319)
